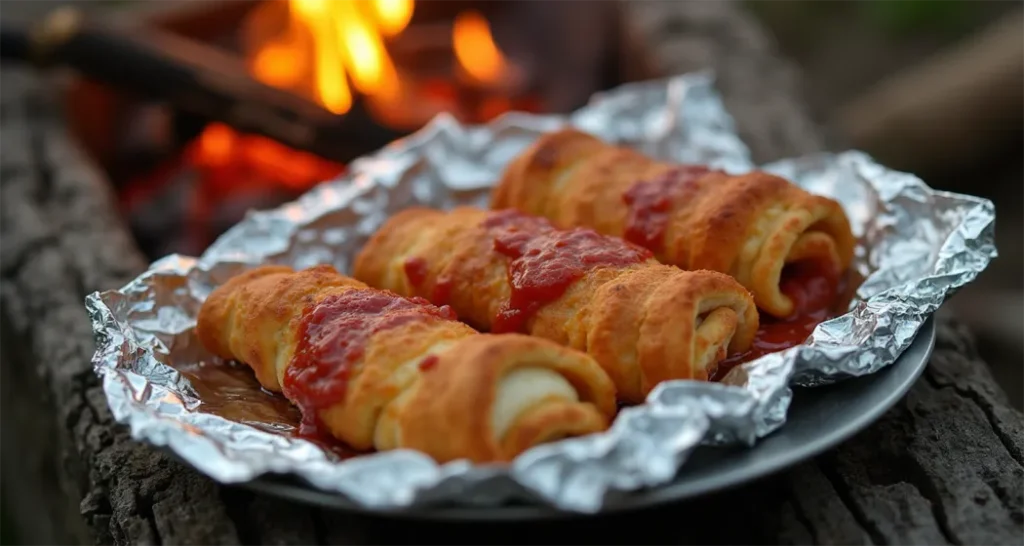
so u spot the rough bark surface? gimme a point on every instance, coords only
(945, 466)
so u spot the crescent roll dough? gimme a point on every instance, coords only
(377, 370)
(644, 322)
(749, 226)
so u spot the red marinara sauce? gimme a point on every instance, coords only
(442, 291)
(429, 362)
(332, 338)
(814, 292)
(416, 271)
(544, 261)
(650, 204)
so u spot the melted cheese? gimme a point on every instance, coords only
(521, 389)
(713, 336)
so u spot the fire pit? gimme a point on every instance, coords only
(381, 68)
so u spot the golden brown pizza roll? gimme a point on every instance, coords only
(377, 370)
(644, 322)
(749, 226)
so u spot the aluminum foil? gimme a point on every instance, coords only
(917, 246)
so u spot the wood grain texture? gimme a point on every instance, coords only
(945, 466)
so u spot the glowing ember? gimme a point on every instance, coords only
(227, 157)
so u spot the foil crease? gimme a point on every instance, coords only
(917, 247)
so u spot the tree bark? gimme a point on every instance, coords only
(942, 467)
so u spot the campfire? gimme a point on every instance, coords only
(382, 68)
(334, 52)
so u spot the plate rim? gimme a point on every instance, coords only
(923, 343)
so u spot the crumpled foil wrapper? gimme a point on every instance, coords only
(917, 246)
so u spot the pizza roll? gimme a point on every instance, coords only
(750, 226)
(377, 370)
(642, 321)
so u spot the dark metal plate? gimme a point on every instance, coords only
(819, 418)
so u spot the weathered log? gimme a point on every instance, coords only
(945, 466)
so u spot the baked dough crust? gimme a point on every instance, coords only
(429, 383)
(644, 323)
(748, 226)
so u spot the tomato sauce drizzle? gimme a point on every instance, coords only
(416, 271)
(442, 293)
(544, 261)
(429, 362)
(816, 296)
(650, 204)
(332, 338)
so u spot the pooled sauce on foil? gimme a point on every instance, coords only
(332, 338)
(650, 204)
(817, 295)
(544, 262)
(230, 390)
(319, 435)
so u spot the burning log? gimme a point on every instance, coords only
(203, 20)
(192, 77)
(334, 59)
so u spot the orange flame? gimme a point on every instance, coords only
(475, 48)
(346, 39)
(392, 16)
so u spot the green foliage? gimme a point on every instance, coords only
(6, 532)
(896, 17)
(900, 16)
